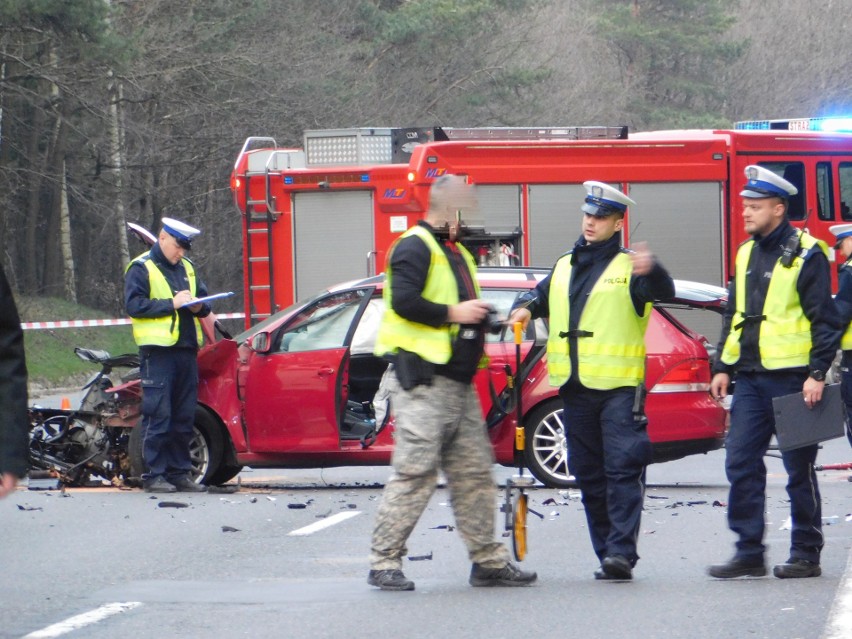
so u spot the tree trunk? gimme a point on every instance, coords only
(116, 144)
(65, 243)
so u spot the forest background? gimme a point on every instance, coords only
(115, 111)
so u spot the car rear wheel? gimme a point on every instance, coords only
(546, 450)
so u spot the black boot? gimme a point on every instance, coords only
(796, 569)
(508, 575)
(616, 568)
(186, 485)
(737, 567)
(389, 580)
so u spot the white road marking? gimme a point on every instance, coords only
(325, 523)
(86, 619)
(840, 618)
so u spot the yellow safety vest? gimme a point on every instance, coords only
(784, 338)
(162, 331)
(614, 354)
(432, 344)
(846, 340)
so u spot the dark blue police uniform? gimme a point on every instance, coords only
(169, 373)
(843, 299)
(752, 417)
(608, 445)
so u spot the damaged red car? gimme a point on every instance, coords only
(296, 390)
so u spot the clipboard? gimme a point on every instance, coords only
(796, 425)
(208, 298)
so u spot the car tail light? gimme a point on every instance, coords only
(688, 375)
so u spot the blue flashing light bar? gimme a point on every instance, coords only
(838, 124)
(365, 177)
(288, 179)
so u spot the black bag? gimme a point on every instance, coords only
(412, 370)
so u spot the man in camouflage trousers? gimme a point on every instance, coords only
(432, 332)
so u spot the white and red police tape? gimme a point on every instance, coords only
(35, 326)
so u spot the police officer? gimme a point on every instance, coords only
(432, 333)
(779, 337)
(159, 288)
(598, 297)
(843, 299)
(13, 393)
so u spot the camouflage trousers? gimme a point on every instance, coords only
(438, 427)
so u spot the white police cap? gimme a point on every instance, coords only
(764, 183)
(840, 232)
(603, 200)
(182, 232)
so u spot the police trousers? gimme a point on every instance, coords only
(608, 449)
(438, 426)
(752, 427)
(169, 396)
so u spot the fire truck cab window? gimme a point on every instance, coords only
(793, 172)
(825, 194)
(845, 178)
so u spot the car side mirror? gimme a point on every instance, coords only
(260, 342)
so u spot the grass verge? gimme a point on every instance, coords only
(51, 362)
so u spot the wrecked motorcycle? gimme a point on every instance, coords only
(101, 438)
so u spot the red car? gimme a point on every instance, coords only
(295, 391)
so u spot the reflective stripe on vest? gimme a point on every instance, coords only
(614, 354)
(432, 344)
(784, 338)
(165, 330)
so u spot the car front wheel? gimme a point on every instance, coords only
(546, 450)
(205, 450)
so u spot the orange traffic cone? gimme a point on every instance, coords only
(66, 404)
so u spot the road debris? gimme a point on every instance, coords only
(173, 504)
(226, 529)
(420, 557)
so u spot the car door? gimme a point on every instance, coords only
(293, 399)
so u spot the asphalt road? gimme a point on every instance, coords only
(106, 563)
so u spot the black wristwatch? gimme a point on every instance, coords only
(818, 375)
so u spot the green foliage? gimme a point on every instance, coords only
(83, 19)
(463, 55)
(673, 56)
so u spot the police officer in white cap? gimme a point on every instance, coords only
(158, 292)
(843, 299)
(779, 337)
(598, 298)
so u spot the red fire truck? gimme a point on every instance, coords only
(330, 211)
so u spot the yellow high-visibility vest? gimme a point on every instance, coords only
(784, 337)
(162, 331)
(613, 353)
(432, 344)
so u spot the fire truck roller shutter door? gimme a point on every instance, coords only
(682, 223)
(555, 220)
(498, 214)
(333, 232)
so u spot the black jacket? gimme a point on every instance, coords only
(814, 289)
(13, 386)
(137, 300)
(409, 262)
